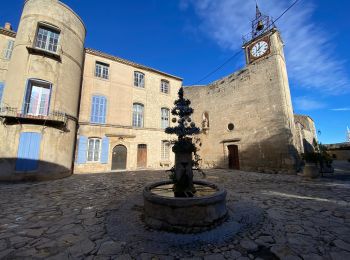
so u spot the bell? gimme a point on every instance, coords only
(260, 26)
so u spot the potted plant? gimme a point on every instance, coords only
(311, 161)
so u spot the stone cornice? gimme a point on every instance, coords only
(8, 33)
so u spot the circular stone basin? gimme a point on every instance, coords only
(206, 210)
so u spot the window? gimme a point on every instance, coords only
(164, 86)
(165, 151)
(98, 110)
(139, 79)
(2, 86)
(137, 115)
(164, 118)
(102, 70)
(9, 49)
(94, 150)
(37, 98)
(47, 39)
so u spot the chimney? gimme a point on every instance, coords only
(8, 27)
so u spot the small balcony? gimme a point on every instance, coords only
(13, 116)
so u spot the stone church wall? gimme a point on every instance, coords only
(257, 101)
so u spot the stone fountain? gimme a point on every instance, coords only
(182, 204)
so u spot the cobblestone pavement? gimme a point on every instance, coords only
(68, 218)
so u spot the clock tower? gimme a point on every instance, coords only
(257, 43)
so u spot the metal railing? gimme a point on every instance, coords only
(13, 112)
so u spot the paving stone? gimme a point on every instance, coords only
(342, 245)
(249, 245)
(214, 257)
(110, 248)
(68, 218)
(340, 255)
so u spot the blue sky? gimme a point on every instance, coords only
(190, 38)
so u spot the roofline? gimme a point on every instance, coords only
(8, 32)
(304, 116)
(131, 63)
(69, 9)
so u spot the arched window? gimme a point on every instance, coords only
(137, 115)
(139, 79)
(98, 109)
(165, 117)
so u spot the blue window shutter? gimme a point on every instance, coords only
(98, 109)
(2, 86)
(82, 148)
(103, 109)
(28, 151)
(105, 150)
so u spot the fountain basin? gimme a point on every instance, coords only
(206, 210)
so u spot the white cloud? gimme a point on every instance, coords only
(306, 104)
(341, 109)
(309, 52)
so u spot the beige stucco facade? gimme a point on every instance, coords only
(256, 101)
(61, 72)
(121, 94)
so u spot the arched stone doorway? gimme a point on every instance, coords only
(119, 157)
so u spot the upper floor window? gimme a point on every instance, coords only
(137, 115)
(2, 86)
(94, 150)
(165, 150)
(164, 86)
(98, 110)
(47, 39)
(165, 117)
(37, 99)
(9, 49)
(102, 70)
(139, 79)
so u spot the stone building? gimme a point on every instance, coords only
(306, 133)
(247, 117)
(66, 108)
(124, 110)
(41, 74)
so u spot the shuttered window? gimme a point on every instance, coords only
(94, 150)
(98, 110)
(9, 49)
(137, 116)
(28, 151)
(164, 117)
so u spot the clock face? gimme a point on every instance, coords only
(259, 49)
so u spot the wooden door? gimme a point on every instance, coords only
(142, 156)
(233, 158)
(119, 157)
